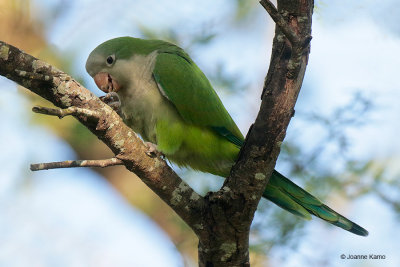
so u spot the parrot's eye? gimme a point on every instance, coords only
(110, 60)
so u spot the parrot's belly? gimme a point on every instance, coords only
(199, 148)
(216, 164)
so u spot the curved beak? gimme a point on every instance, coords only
(106, 82)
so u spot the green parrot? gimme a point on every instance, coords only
(164, 96)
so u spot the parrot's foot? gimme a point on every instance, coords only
(113, 101)
(152, 151)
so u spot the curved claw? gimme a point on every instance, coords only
(152, 151)
(110, 97)
(113, 101)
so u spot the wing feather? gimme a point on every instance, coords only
(181, 81)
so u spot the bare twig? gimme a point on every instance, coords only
(102, 163)
(61, 113)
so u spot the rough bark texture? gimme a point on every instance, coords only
(221, 219)
(231, 209)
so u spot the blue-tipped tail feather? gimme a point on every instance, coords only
(296, 200)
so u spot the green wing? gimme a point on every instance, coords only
(185, 85)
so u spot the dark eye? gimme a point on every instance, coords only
(110, 59)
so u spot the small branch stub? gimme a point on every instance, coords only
(292, 36)
(299, 42)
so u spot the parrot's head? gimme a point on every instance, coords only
(108, 63)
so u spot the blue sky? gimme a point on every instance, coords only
(353, 48)
(65, 217)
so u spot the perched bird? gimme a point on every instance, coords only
(167, 99)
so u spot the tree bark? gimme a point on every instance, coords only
(230, 210)
(221, 219)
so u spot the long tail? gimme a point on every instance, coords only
(296, 200)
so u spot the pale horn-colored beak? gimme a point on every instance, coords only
(106, 82)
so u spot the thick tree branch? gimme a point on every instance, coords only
(236, 202)
(65, 92)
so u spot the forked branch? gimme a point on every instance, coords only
(221, 219)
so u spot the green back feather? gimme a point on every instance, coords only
(189, 90)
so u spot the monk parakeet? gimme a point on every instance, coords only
(168, 100)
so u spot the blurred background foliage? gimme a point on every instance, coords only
(323, 166)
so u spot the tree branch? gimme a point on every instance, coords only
(61, 113)
(102, 163)
(221, 219)
(280, 22)
(236, 202)
(290, 28)
(65, 92)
